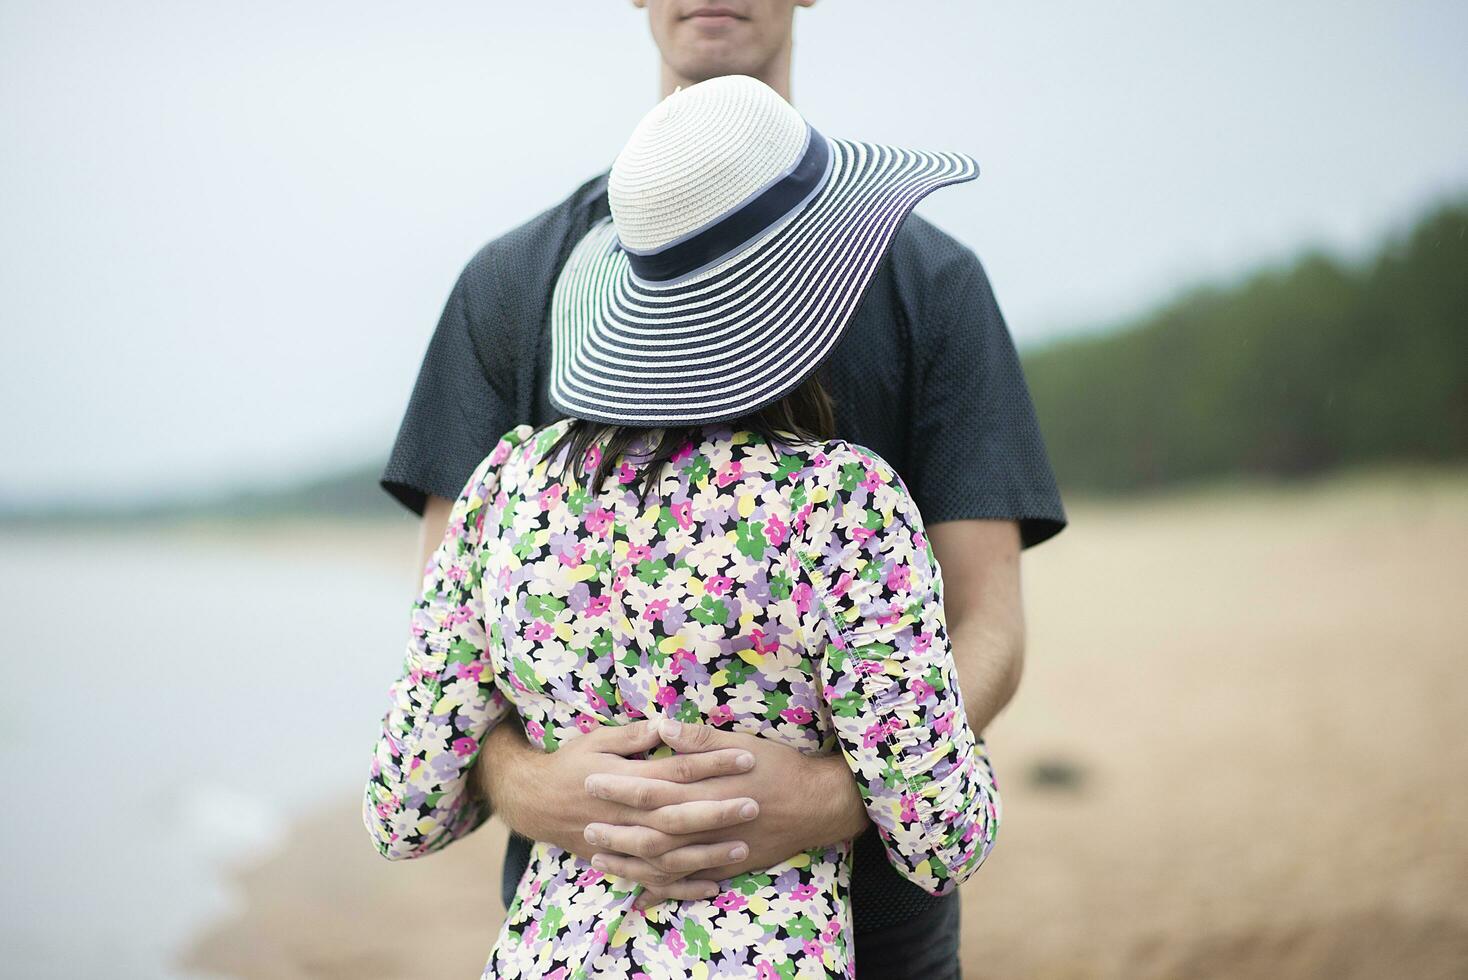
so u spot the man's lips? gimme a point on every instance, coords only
(713, 13)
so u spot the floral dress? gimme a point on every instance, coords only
(785, 591)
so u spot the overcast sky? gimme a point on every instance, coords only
(227, 229)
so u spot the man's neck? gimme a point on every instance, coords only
(776, 75)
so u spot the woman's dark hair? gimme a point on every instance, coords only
(807, 414)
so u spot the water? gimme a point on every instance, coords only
(173, 703)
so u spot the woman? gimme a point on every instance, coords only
(692, 543)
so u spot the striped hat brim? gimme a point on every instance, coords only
(746, 331)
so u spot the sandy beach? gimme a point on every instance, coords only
(1238, 751)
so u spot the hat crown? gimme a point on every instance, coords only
(698, 155)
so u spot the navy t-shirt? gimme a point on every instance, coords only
(926, 375)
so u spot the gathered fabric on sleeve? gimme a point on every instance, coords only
(887, 672)
(445, 700)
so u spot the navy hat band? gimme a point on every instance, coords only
(705, 247)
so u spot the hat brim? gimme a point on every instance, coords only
(747, 331)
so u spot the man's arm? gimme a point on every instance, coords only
(984, 609)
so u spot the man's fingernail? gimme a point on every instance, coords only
(671, 728)
(738, 853)
(744, 760)
(598, 862)
(749, 810)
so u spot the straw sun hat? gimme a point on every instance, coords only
(739, 244)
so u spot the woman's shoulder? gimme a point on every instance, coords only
(850, 463)
(513, 446)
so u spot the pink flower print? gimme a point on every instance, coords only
(814, 948)
(766, 971)
(461, 615)
(588, 877)
(894, 725)
(944, 724)
(601, 934)
(457, 528)
(518, 684)
(479, 522)
(762, 643)
(730, 900)
(534, 730)
(844, 585)
(872, 737)
(550, 496)
(575, 556)
(592, 458)
(538, 631)
(921, 689)
(531, 930)
(683, 513)
(559, 973)
(820, 459)
(799, 715)
(501, 499)
(776, 530)
(717, 584)
(586, 723)
(638, 552)
(899, 577)
(667, 696)
(501, 452)
(865, 667)
(598, 521)
(597, 701)
(892, 615)
(681, 658)
(799, 521)
(684, 451)
(804, 892)
(870, 480)
(633, 711)
(909, 807)
(729, 472)
(469, 672)
(455, 573)
(923, 641)
(803, 595)
(674, 941)
(721, 715)
(625, 473)
(656, 609)
(598, 605)
(861, 535)
(832, 930)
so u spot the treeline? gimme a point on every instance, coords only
(1292, 372)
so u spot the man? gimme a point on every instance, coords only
(926, 375)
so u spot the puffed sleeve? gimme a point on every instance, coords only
(445, 701)
(887, 671)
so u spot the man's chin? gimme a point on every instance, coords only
(703, 68)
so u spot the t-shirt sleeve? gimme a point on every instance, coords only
(976, 447)
(461, 403)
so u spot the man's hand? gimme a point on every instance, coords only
(803, 802)
(543, 796)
